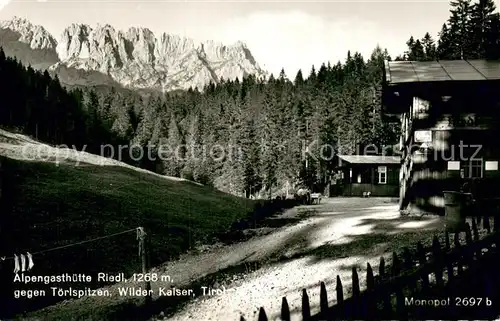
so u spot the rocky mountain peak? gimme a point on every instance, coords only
(36, 36)
(138, 58)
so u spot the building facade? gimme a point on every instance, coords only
(356, 175)
(449, 113)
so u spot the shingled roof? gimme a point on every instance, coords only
(370, 159)
(399, 72)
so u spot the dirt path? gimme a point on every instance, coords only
(341, 233)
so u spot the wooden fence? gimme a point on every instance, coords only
(409, 287)
(1, 176)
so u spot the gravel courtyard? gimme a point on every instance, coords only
(330, 239)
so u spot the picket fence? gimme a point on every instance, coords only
(462, 269)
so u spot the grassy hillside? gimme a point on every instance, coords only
(46, 205)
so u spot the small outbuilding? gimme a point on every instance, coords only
(363, 175)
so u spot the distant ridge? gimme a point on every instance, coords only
(135, 58)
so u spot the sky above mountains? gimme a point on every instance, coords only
(280, 34)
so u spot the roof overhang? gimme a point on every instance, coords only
(397, 98)
(432, 80)
(370, 159)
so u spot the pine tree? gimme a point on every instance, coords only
(410, 43)
(299, 79)
(416, 51)
(445, 50)
(481, 20)
(460, 28)
(492, 46)
(311, 80)
(194, 154)
(173, 152)
(251, 159)
(429, 46)
(94, 124)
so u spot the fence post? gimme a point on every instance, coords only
(323, 298)
(468, 239)
(340, 291)
(458, 246)
(381, 268)
(355, 283)
(306, 309)
(438, 260)
(262, 315)
(1, 174)
(422, 260)
(371, 298)
(449, 267)
(407, 259)
(285, 310)
(143, 248)
(400, 305)
(395, 269)
(468, 234)
(340, 297)
(475, 232)
(408, 264)
(355, 306)
(386, 295)
(370, 279)
(486, 223)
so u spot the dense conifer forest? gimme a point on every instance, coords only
(243, 136)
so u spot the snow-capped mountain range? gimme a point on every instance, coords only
(135, 58)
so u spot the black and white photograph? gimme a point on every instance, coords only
(249, 160)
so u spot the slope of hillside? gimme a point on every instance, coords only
(52, 197)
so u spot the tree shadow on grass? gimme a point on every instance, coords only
(277, 221)
(245, 229)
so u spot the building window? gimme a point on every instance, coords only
(453, 166)
(472, 168)
(382, 174)
(491, 166)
